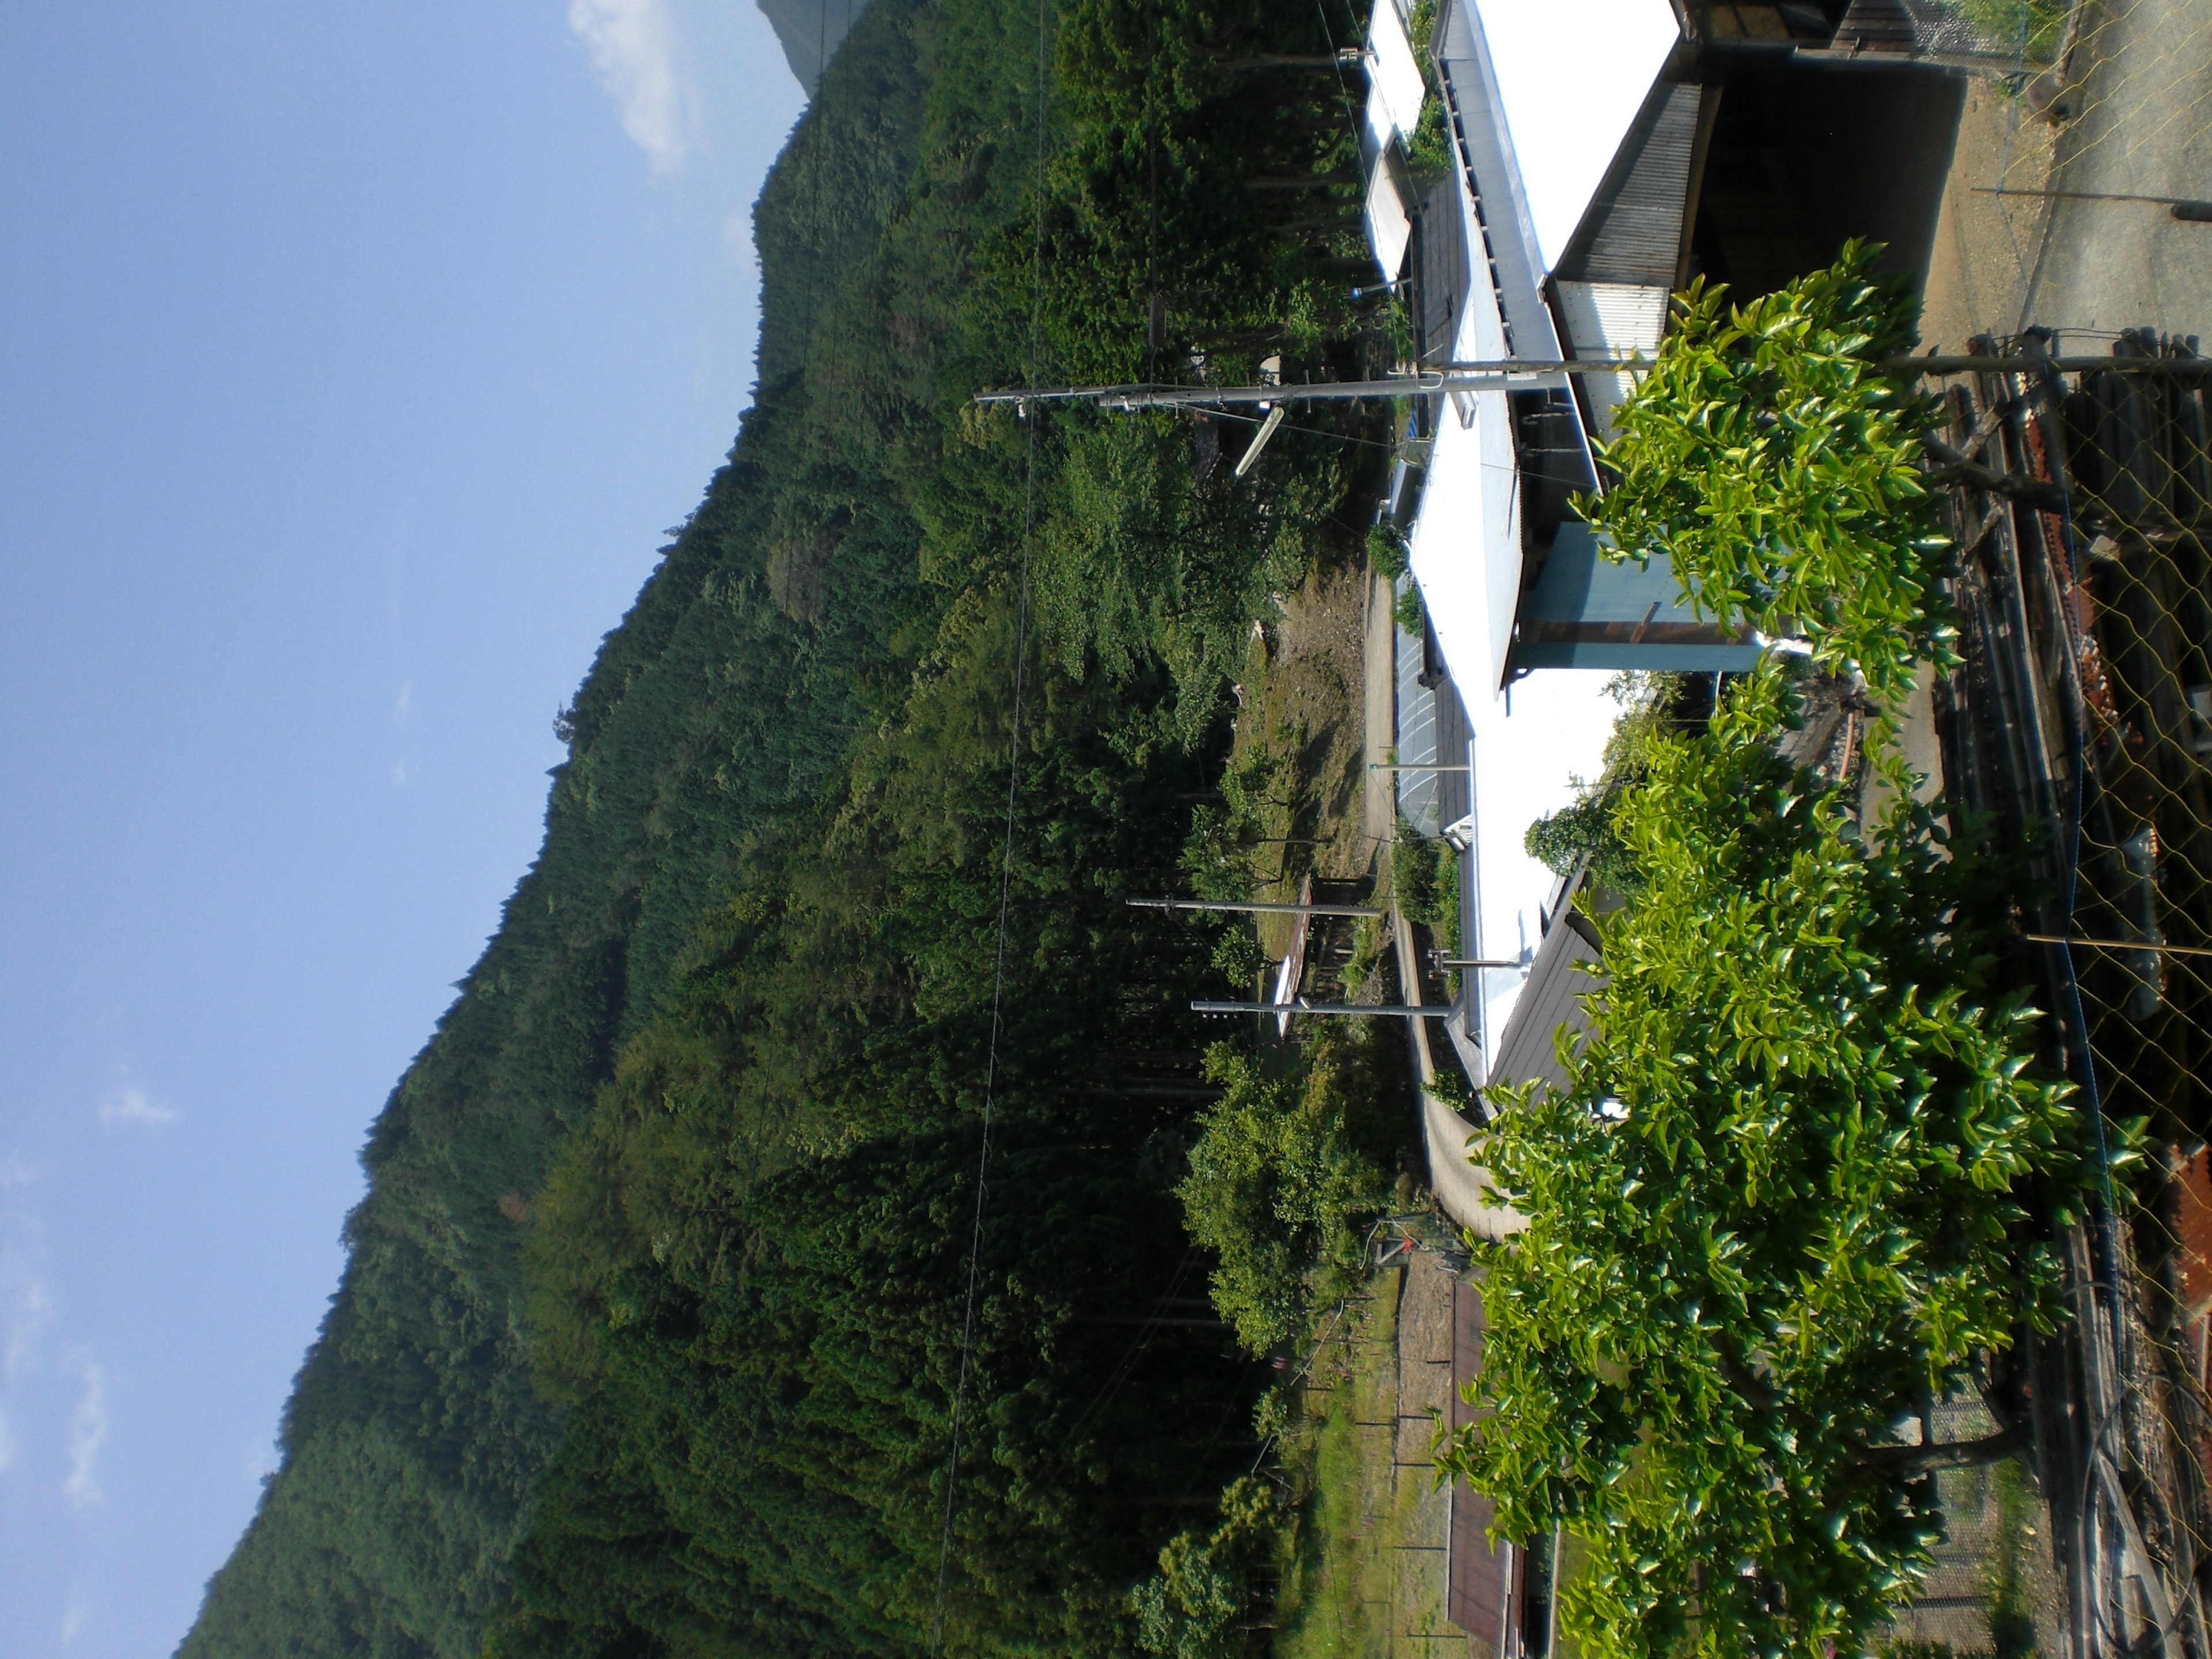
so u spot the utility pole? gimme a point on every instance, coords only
(1387, 1009)
(1261, 906)
(1537, 374)
(2182, 207)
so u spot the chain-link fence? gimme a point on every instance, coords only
(1369, 1571)
(2081, 725)
(2082, 168)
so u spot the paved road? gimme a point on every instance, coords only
(2140, 124)
(2144, 128)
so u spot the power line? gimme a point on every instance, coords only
(1263, 906)
(1311, 431)
(1005, 876)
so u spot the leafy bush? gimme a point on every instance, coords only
(1222, 854)
(1560, 841)
(1195, 1608)
(1238, 955)
(1794, 1182)
(1284, 1170)
(1366, 955)
(1142, 566)
(1425, 879)
(1406, 612)
(1770, 460)
(1386, 551)
(1428, 147)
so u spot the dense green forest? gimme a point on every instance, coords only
(652, 1321)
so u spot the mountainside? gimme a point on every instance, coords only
(414, 1429)
(809, 33)
(660, 1301)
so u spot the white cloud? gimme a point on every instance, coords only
(88, 1433)
(403, 773)
(75, 1617)
(7, 1445)
(403, 708)
(14, 1172)
(131, 1105)
(23, 1299)
(633, 47)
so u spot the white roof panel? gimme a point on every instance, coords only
(1390, 217)
(1611, 320)
(1491, 173)
(1395, 72)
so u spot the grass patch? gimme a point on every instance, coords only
(1360, 1561)
(2032, 27)
(1291, 791)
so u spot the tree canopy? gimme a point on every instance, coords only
(1797, 1182)
(1769, 456)
(648, 1334)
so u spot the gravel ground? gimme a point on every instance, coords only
(2137, 122)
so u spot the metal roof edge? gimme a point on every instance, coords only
(1680, 67)
(1499, 199)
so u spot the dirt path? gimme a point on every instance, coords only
(2138, 123)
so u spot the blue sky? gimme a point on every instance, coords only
(356, 358)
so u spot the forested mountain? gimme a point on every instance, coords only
(654, 1313)
(810, 32)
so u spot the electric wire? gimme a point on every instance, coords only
(1311, 431)
(1125, 1367)
(1005, 876)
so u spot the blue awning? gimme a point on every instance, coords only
(1590, 611)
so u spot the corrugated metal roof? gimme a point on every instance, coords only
(1396, 73)
(1611, 320)
(1507, 255)
(1567, 968)
(1631, 232)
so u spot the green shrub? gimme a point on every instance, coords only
(1195, 1608)
(1560, 841)
(1798, 1176)
(1238, 955)
(1366, 955)
(1406, 612)
(1425, 880)
(1770, 460)
(1386, 551)
(1285, 1170)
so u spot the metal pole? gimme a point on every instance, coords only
(2185, 208)
(1520, 374)
(1268, 909)
(1389, 1010)
(1400, 386)
(2123, 944)
(1420, 766)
